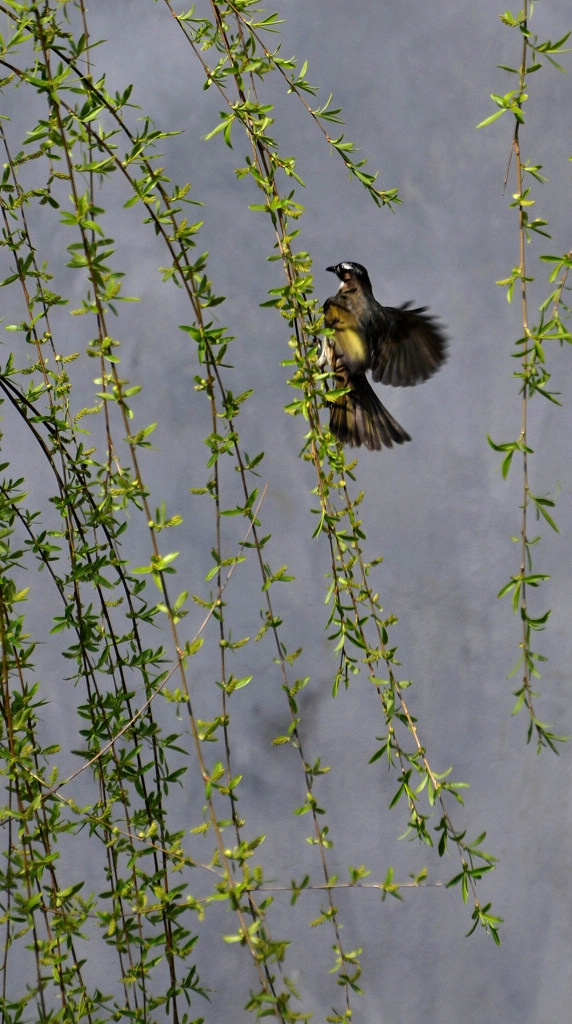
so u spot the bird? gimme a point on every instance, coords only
(400, 346)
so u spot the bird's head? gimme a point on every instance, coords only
(351, 276)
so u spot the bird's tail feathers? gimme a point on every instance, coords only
(358, 417)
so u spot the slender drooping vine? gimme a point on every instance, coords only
(533, 375)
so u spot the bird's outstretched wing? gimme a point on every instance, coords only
(406, 345)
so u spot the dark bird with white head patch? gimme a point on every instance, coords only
(401, 346)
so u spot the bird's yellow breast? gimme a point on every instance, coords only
(349, 342)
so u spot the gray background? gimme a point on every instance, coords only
(413, 80)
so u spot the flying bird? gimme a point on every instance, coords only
(401, 346)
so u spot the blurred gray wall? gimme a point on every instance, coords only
(413, 80)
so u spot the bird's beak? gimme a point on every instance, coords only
(332, 270)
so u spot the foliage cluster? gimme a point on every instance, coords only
(121, 630)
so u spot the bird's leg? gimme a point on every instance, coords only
(325, 353)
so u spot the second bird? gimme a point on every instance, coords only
(401, 346)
